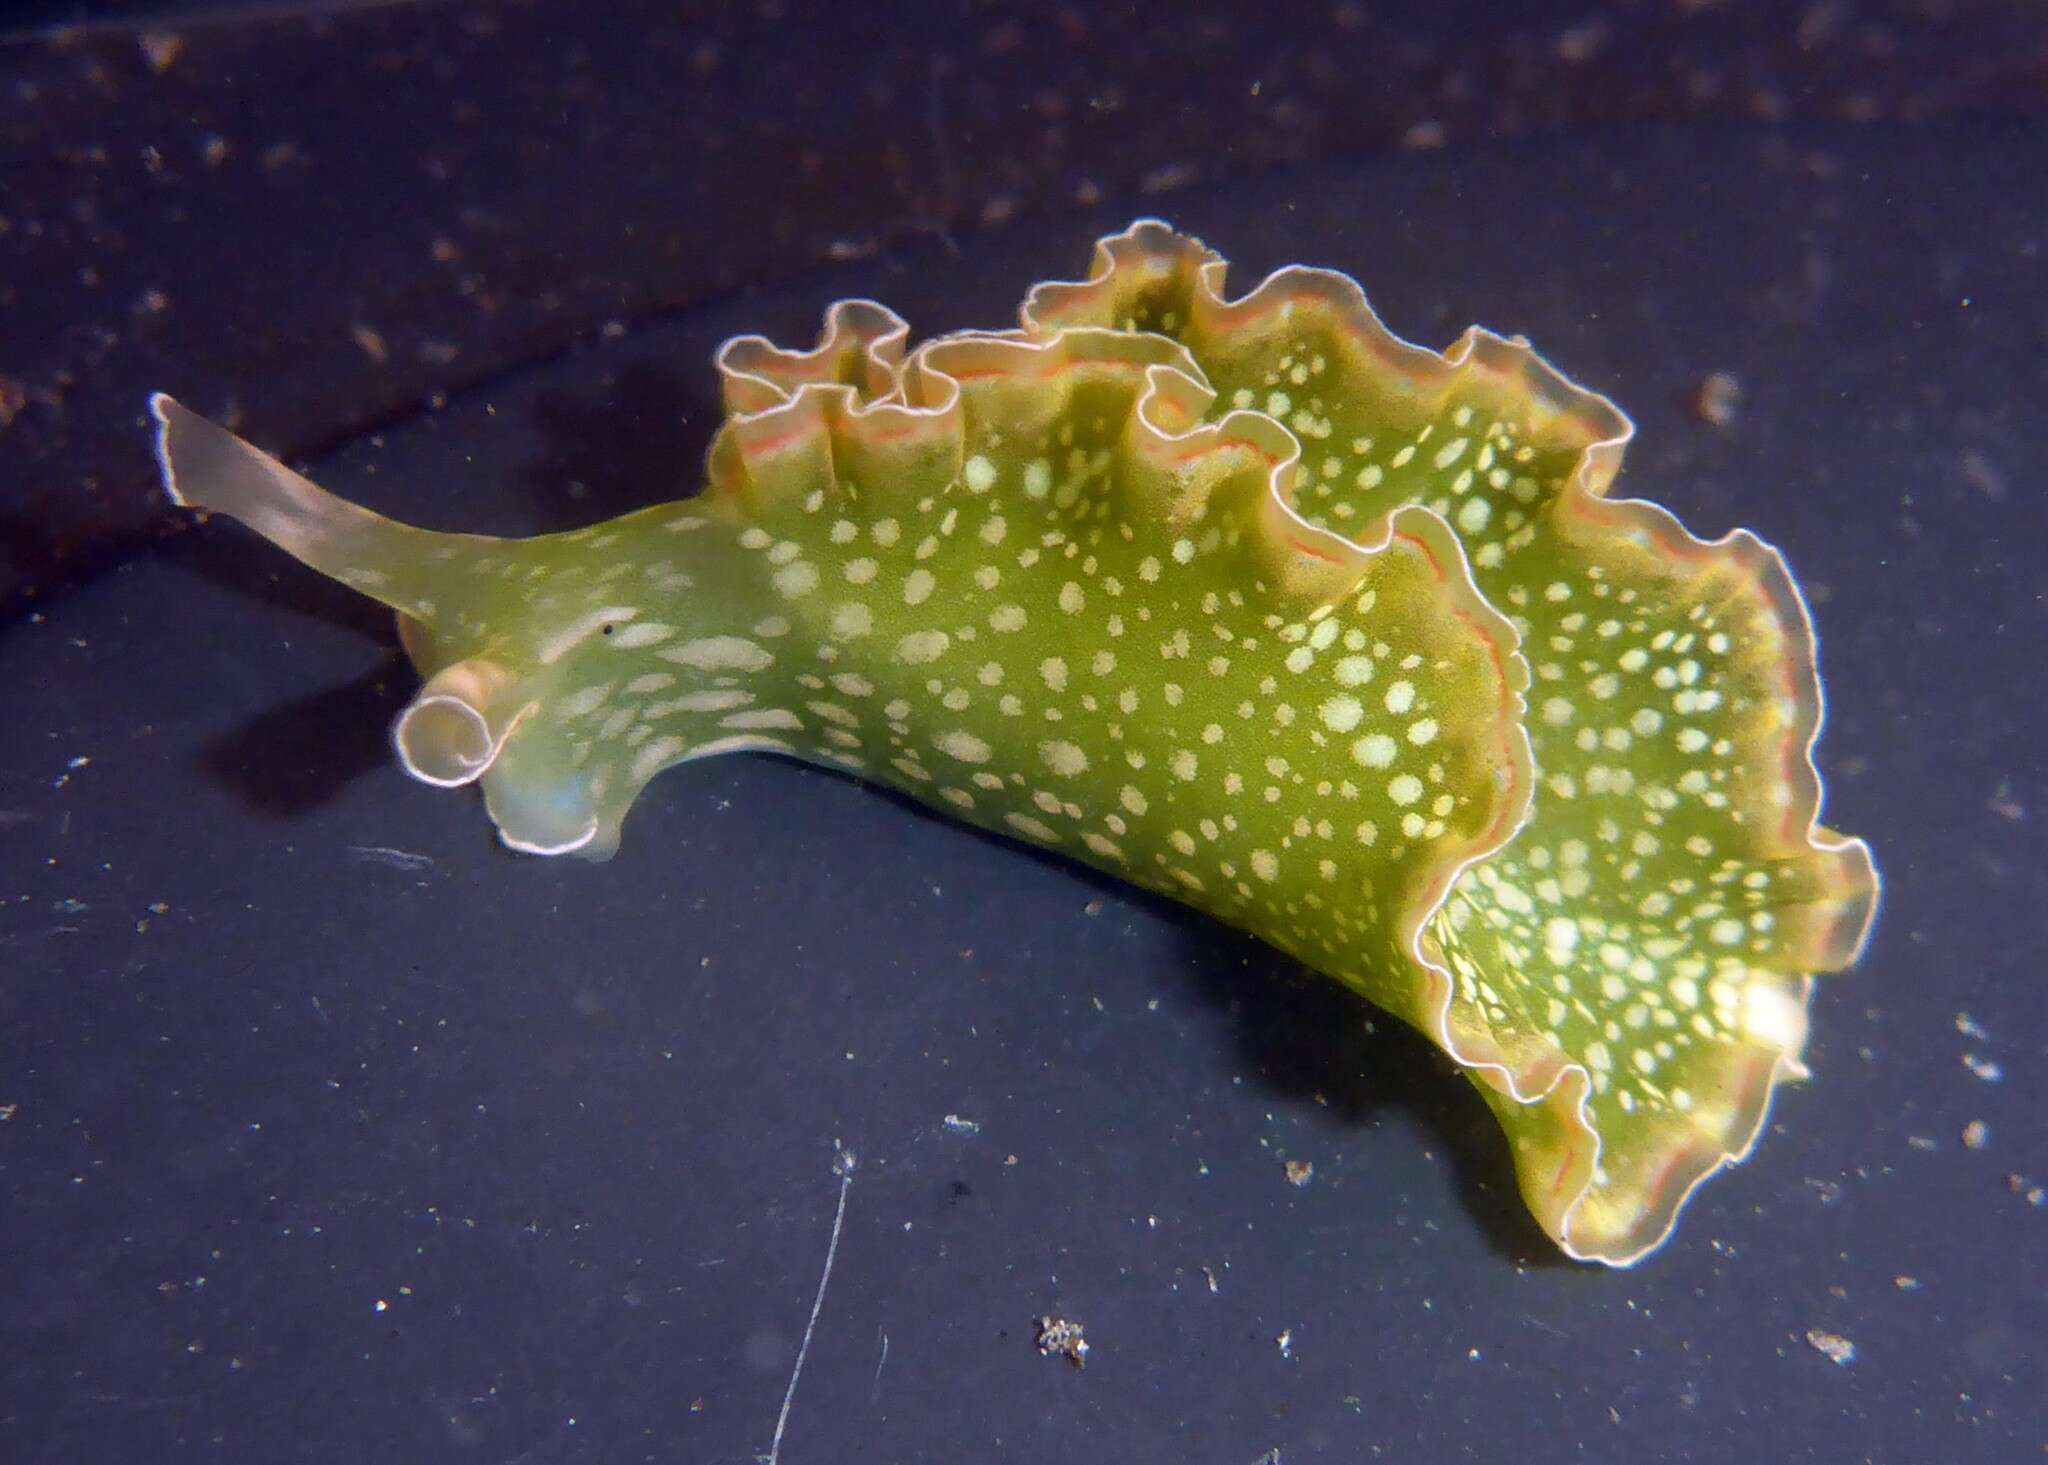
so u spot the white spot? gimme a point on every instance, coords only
(979, 473)
(1400, 697)
(1063, 758)
(1375, 750)
(922, 647)
(1774, 1017)
(1404, 789)
(851, 621)
(796, 579)
(585, 702)
(833, 712)
(917, 586)
(763, 719)
(963, 745)
(719, 653)
(716, 699)
(1342, 713)
(640, 633)
(649, 760)
(1032, 828)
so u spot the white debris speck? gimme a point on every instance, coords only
(1063, 1336)
(1838, 1349)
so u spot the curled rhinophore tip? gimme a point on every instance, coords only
(465, 726)
(451, 733)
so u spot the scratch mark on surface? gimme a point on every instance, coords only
(16, 938)
(842, 1166)
(875, 1393)
(397, 859)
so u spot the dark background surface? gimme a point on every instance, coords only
(320, 220)
(330, 1132)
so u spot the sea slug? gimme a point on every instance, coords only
(1334, 638)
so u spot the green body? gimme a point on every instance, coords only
(1334, 639)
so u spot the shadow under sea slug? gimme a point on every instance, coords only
(1336, 639)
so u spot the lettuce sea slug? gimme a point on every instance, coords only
(1338, 640)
